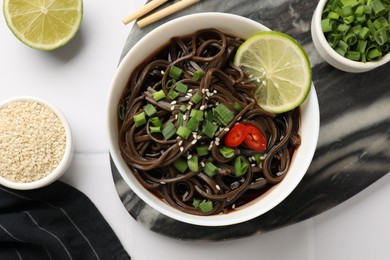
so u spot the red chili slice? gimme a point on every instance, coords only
(255, 139)
(236, 135)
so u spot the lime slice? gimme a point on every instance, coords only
(280, 68)
(44, 25)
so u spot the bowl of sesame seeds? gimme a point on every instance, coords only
(36, 145)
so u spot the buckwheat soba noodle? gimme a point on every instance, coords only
(192, 133)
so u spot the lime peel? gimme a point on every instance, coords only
(43, 25)
(280, 68)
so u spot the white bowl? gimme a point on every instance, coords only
(330, 55)
(233, 25)
(64, 162)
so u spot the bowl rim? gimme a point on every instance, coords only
(364, 66)
(145, 195)
(68, 153)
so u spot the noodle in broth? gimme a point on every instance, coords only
(151, 157)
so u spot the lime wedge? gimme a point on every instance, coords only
(44, 25)
(280, 68)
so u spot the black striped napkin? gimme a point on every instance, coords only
(56, 222)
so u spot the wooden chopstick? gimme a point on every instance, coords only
(144, 10)
(165, 12)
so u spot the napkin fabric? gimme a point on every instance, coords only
(56, 222)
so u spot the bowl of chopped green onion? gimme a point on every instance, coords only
(352, 35)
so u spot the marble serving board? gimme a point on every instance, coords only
(353, 149)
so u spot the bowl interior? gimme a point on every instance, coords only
(233, 25)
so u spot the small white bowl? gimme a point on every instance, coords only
(330, 55)
(230, 24)
(64, 162)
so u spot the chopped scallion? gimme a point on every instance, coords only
(198, 114)
(352, 26)
(155, 121)
(175, 72)
(210, 169)
(181, 87)
(155, 129)
(158, 95)
(240, 166)
(226, 152)
(193, 163)
(206, 206)
(150, 110)
(196, 98)
(198, 75)
(173, 94)
(196, 203)
(183, 108)
(237, 106)
(139, 119)
(353, 55)
(181, 165)
(183, 131)
(209, 128)
(168, 130)
(121, 111)
(193, 124)
(202, 150)
(223, 114)
(180, 120)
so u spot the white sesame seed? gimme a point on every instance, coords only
(227, 129)
(181, 149)
(233, 206)
(162, 72)
(215, 91)
(202, 164)
(202, 107)
(253, 165)
(217, 139)
(258, 80)
(217, 187)
(176, 116)
(190, 90)
(180, 142)
(184, 117)
(173, 102)
(189, 156)
(43, 144)
(194, 141)
(172, 108)
(162, 183)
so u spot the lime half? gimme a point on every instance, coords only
(280, 68)
(44, 25)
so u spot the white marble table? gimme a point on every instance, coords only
(76, 79)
